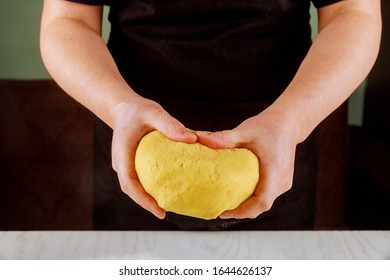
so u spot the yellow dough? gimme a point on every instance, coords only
(192, 179)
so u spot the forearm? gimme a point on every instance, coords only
(77, 58)
(340, 58)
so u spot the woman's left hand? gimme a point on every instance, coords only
(273, 140)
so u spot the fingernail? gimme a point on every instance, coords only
(186, 132)
(202, 133)
(226, 216)
(189, 134)
(159, 215)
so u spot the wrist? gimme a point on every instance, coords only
(301, 110)
(121, 110)
(125, 104)
(285, 121)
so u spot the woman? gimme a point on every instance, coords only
(245, 69)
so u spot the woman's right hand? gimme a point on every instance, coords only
(131, 123)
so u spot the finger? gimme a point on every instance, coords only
(138, 194)
(251, 208)
(124, 155)
(170, 126)
(272, 183)
(260, 202)
(220, 139)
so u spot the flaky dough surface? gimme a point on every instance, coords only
(192, 179)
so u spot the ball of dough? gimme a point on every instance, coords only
(192, 179)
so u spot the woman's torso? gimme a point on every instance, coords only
(211, 64)
(210, 49)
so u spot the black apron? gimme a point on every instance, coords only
(211, 65)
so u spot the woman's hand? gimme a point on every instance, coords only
(273, 140)
(131, 123)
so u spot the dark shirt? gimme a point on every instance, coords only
(206, 49)
(317, 3)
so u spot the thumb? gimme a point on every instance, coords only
(171, 127)
(220, 139)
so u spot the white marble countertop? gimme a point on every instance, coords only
(271, 245)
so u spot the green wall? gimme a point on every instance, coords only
(19, 47)
(19, 50)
